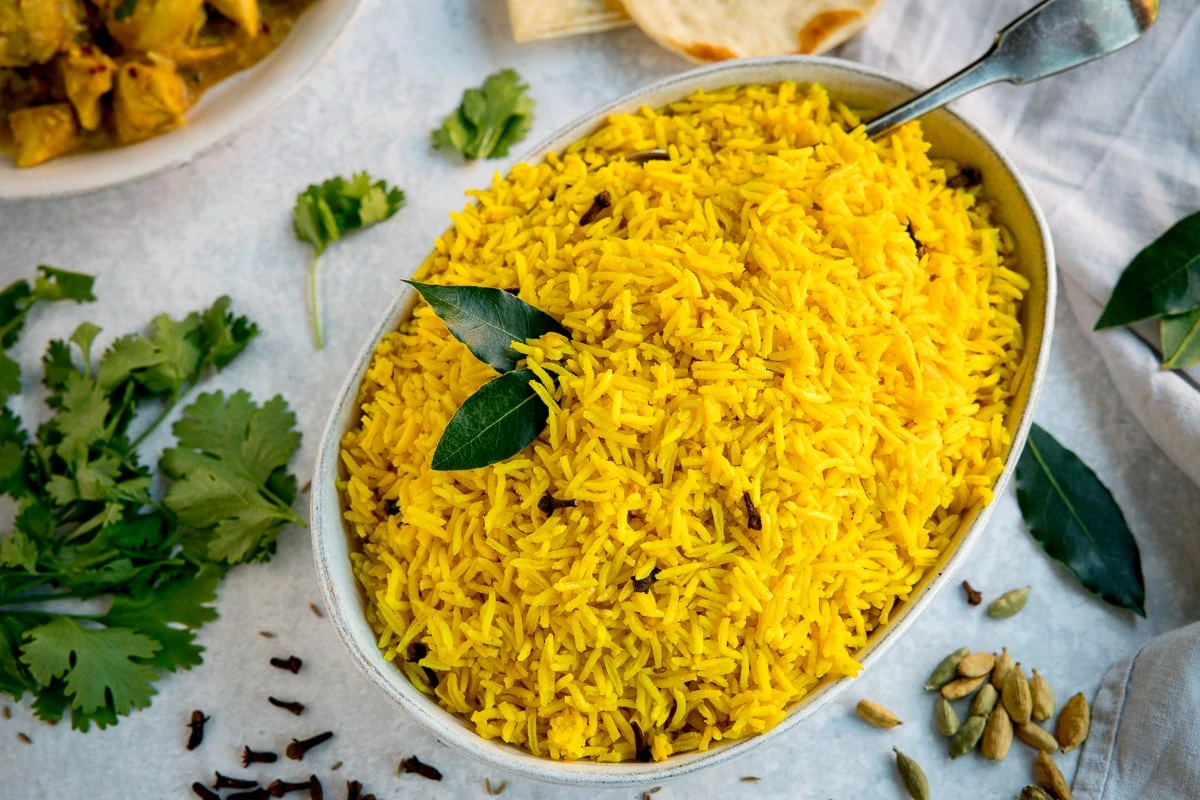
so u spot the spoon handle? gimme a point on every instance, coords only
(1053, 36)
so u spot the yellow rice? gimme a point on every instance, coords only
(752, 316)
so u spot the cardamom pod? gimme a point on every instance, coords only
(1009, 604)
(945, 717)
(965, 739)
(997, 736)
(1043, 698)
(1015, 695)
(1074, 722)
(976, 664)
(1004, 663)
(984, 701)
(1051, 779)
(1034, 793)
(913, 776)
(877, 715)
(944, 672)
(958, 689)
(1037, 737)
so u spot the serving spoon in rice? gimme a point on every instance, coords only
(1054, 36)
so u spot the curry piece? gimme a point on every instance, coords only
(43, 132)
(32, 31)
(158, 26)
(149, 99)
(243, 12)
(87, 75)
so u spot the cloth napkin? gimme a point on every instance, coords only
(1112, 152)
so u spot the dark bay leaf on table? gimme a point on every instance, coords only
(1162, 279)
(1076, 520)
(488, 320)
(1181, 340)
(495, 423)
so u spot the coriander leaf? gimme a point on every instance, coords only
(81, 419)
(99, 668)
(1162, 279)
(180, 356)
(83, 336)
(490, 119)
(15, 300)
(61, 284)
(224, 336)
(170, 614)
(12, 444)
(498, 421)
(18, 551)
(10, 377)
(325, 212)
(488, 321)
(1078, 523)
(126, 356)
(1181, 340)
(228, 452)
(57, 365)
(14, 678)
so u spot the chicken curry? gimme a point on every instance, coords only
(78, 75)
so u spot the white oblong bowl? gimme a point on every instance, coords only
(951, 137)
(224, 111)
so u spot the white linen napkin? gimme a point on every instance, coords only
(1112, 152)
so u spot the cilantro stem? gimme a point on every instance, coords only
(33, 599)
(319, 339)
(158, 421)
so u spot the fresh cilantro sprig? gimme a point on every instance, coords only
(19, 298)
(325, 212)
(489, 120)
(89, 524)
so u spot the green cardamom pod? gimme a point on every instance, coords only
(1009, 604)
(947, 670)
(913, 776)
(967, 737)
(984, 701)
(945, 717)
(1034, 793)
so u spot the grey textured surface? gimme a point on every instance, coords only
(222, 226)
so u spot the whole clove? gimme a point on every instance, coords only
(257, 757)
(287, 705)
(254, 794)
(417, 651)
(643, 585)
(298, 747)
(391, 508)
(336, 766)
(750, 779)
(225, 782)
(203, 792)
(641, 749)
(415, 765)
(24, 738)
(196, 737)
(599, 203)
(6, 712)
(973, 597)
(278, 788)
(549, 504)
(966, 178)
(353, 790)
(291, 664)
(266, 634)
(305, 488)
(912, 234)
(431, 677)
(753, 518)
(313, 607)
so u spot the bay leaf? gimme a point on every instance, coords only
(1076, 520)
(488, 320)
(1162, 279)
(495, 423)
(1181, 340)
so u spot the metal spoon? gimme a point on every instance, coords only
(1054, 36)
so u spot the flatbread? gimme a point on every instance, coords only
(714, 30)
(543, 19)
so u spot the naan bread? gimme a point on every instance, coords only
(714, 30)
(542, 19)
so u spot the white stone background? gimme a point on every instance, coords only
(222, 225)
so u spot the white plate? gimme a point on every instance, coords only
(950, 136)
(224, 111)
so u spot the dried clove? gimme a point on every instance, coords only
(391, 508)
(494, 791)
(643, 584)
(431, 677)
(417, 651)
(549, 504)
(916, 242)
(750, 779)
(266, 634)
(753, 518)
(257, 757)
(966, 178)
(641, 750)
(224, 782)
(313, 607)
(287, 705)
(254, 794)
(353, 790)
(415, 765)
(197, 725)
(291, 664)
(203, 792)
(973, 597)
(599, 203)
(336, 766)
(305, 488)
(24, 738)
(6, 712)
(279, 788)
(298, 747)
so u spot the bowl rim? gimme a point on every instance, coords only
(283, 72)
(325, 505)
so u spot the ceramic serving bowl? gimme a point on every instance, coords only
(224, 111)
(860, 87)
